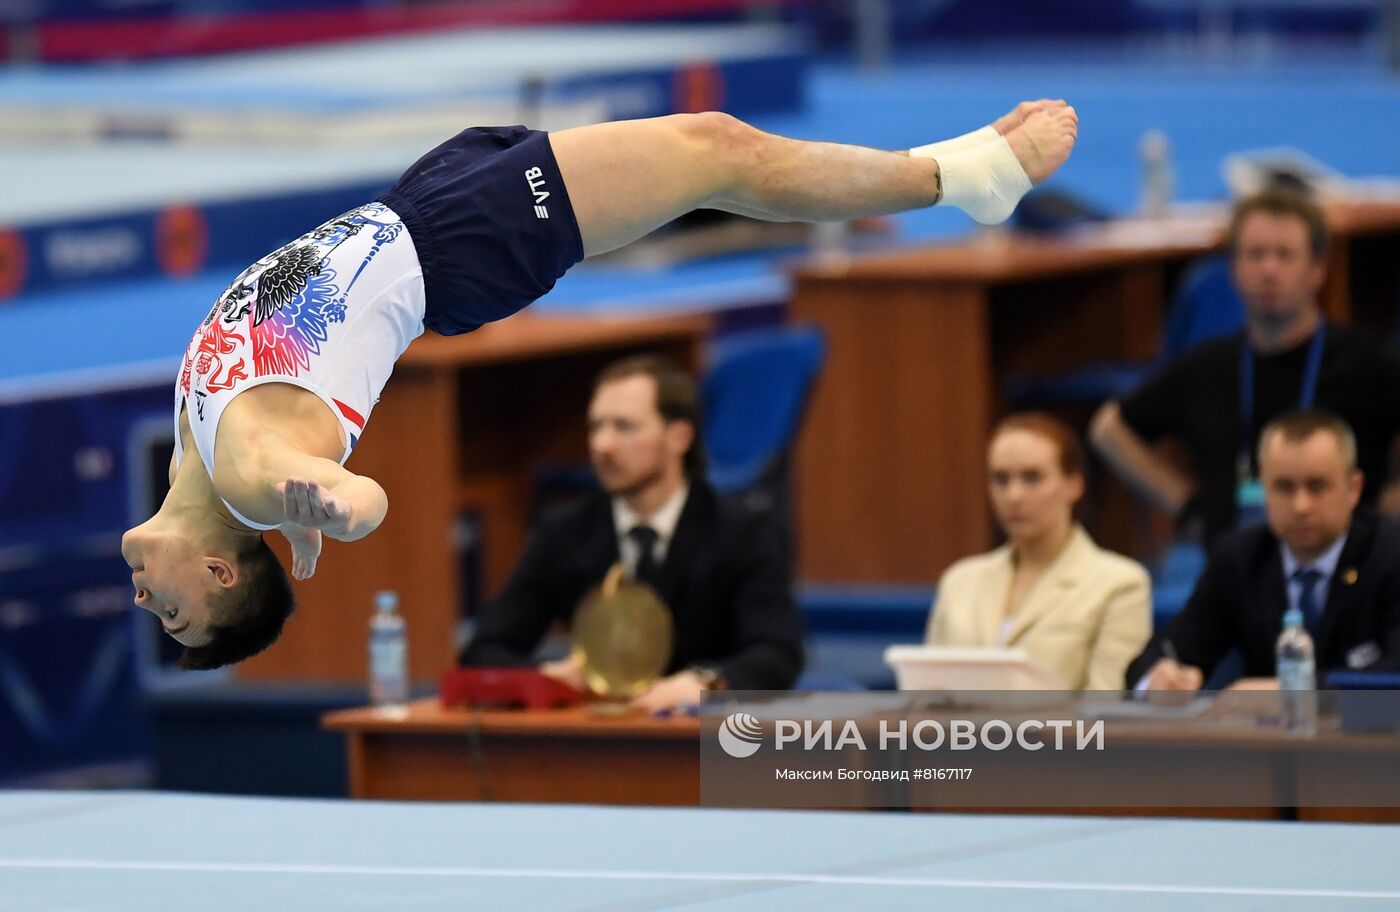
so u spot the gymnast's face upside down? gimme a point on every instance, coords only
(175, 580)
(222, 598)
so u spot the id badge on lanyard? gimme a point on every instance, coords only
(1249, 492)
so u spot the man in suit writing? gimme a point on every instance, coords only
(721, 571)
(1339, 564)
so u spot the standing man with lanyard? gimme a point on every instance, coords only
(1215, 399)
(1249, 492)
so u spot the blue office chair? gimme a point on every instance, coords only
(1174, 579)
(1204, 307)
(753, 397)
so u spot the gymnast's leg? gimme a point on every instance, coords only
(628, 178)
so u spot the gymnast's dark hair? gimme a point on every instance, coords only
(250, 615)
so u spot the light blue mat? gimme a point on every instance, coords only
(149, 852)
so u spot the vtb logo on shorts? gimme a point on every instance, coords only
(535, 178)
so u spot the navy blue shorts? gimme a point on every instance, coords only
(492, 224)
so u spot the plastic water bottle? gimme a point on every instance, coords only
(1297, 677)
(1158, 176)
(388, 652)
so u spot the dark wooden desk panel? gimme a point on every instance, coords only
(555, 756)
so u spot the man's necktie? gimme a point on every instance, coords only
(645, 538)
(1307, 581)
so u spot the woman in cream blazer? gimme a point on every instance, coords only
(1079, 611)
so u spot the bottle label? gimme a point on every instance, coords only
(1296, 674)
(388, 665)
(387, 659)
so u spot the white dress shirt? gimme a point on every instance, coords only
(663, 522)
(1326, 565)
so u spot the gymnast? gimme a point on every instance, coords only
(277, 383)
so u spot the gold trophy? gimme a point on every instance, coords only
(622, 637)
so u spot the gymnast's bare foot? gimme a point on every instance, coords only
(1017, 115)
(1044, 141)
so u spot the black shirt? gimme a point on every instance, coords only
(1196, 401)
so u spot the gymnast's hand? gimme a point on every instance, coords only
(346, 511)
(316, 508)
(306, 547)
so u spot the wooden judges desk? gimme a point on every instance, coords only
(889, 468)
(568, 755)
(575, 755)
(462, 423)
(1236, 772)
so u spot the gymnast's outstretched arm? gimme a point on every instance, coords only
(308, 496)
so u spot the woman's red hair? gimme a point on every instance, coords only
(1053, 429)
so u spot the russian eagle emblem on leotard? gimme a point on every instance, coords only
(286, 303)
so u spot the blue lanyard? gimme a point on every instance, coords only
(1305, 396)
